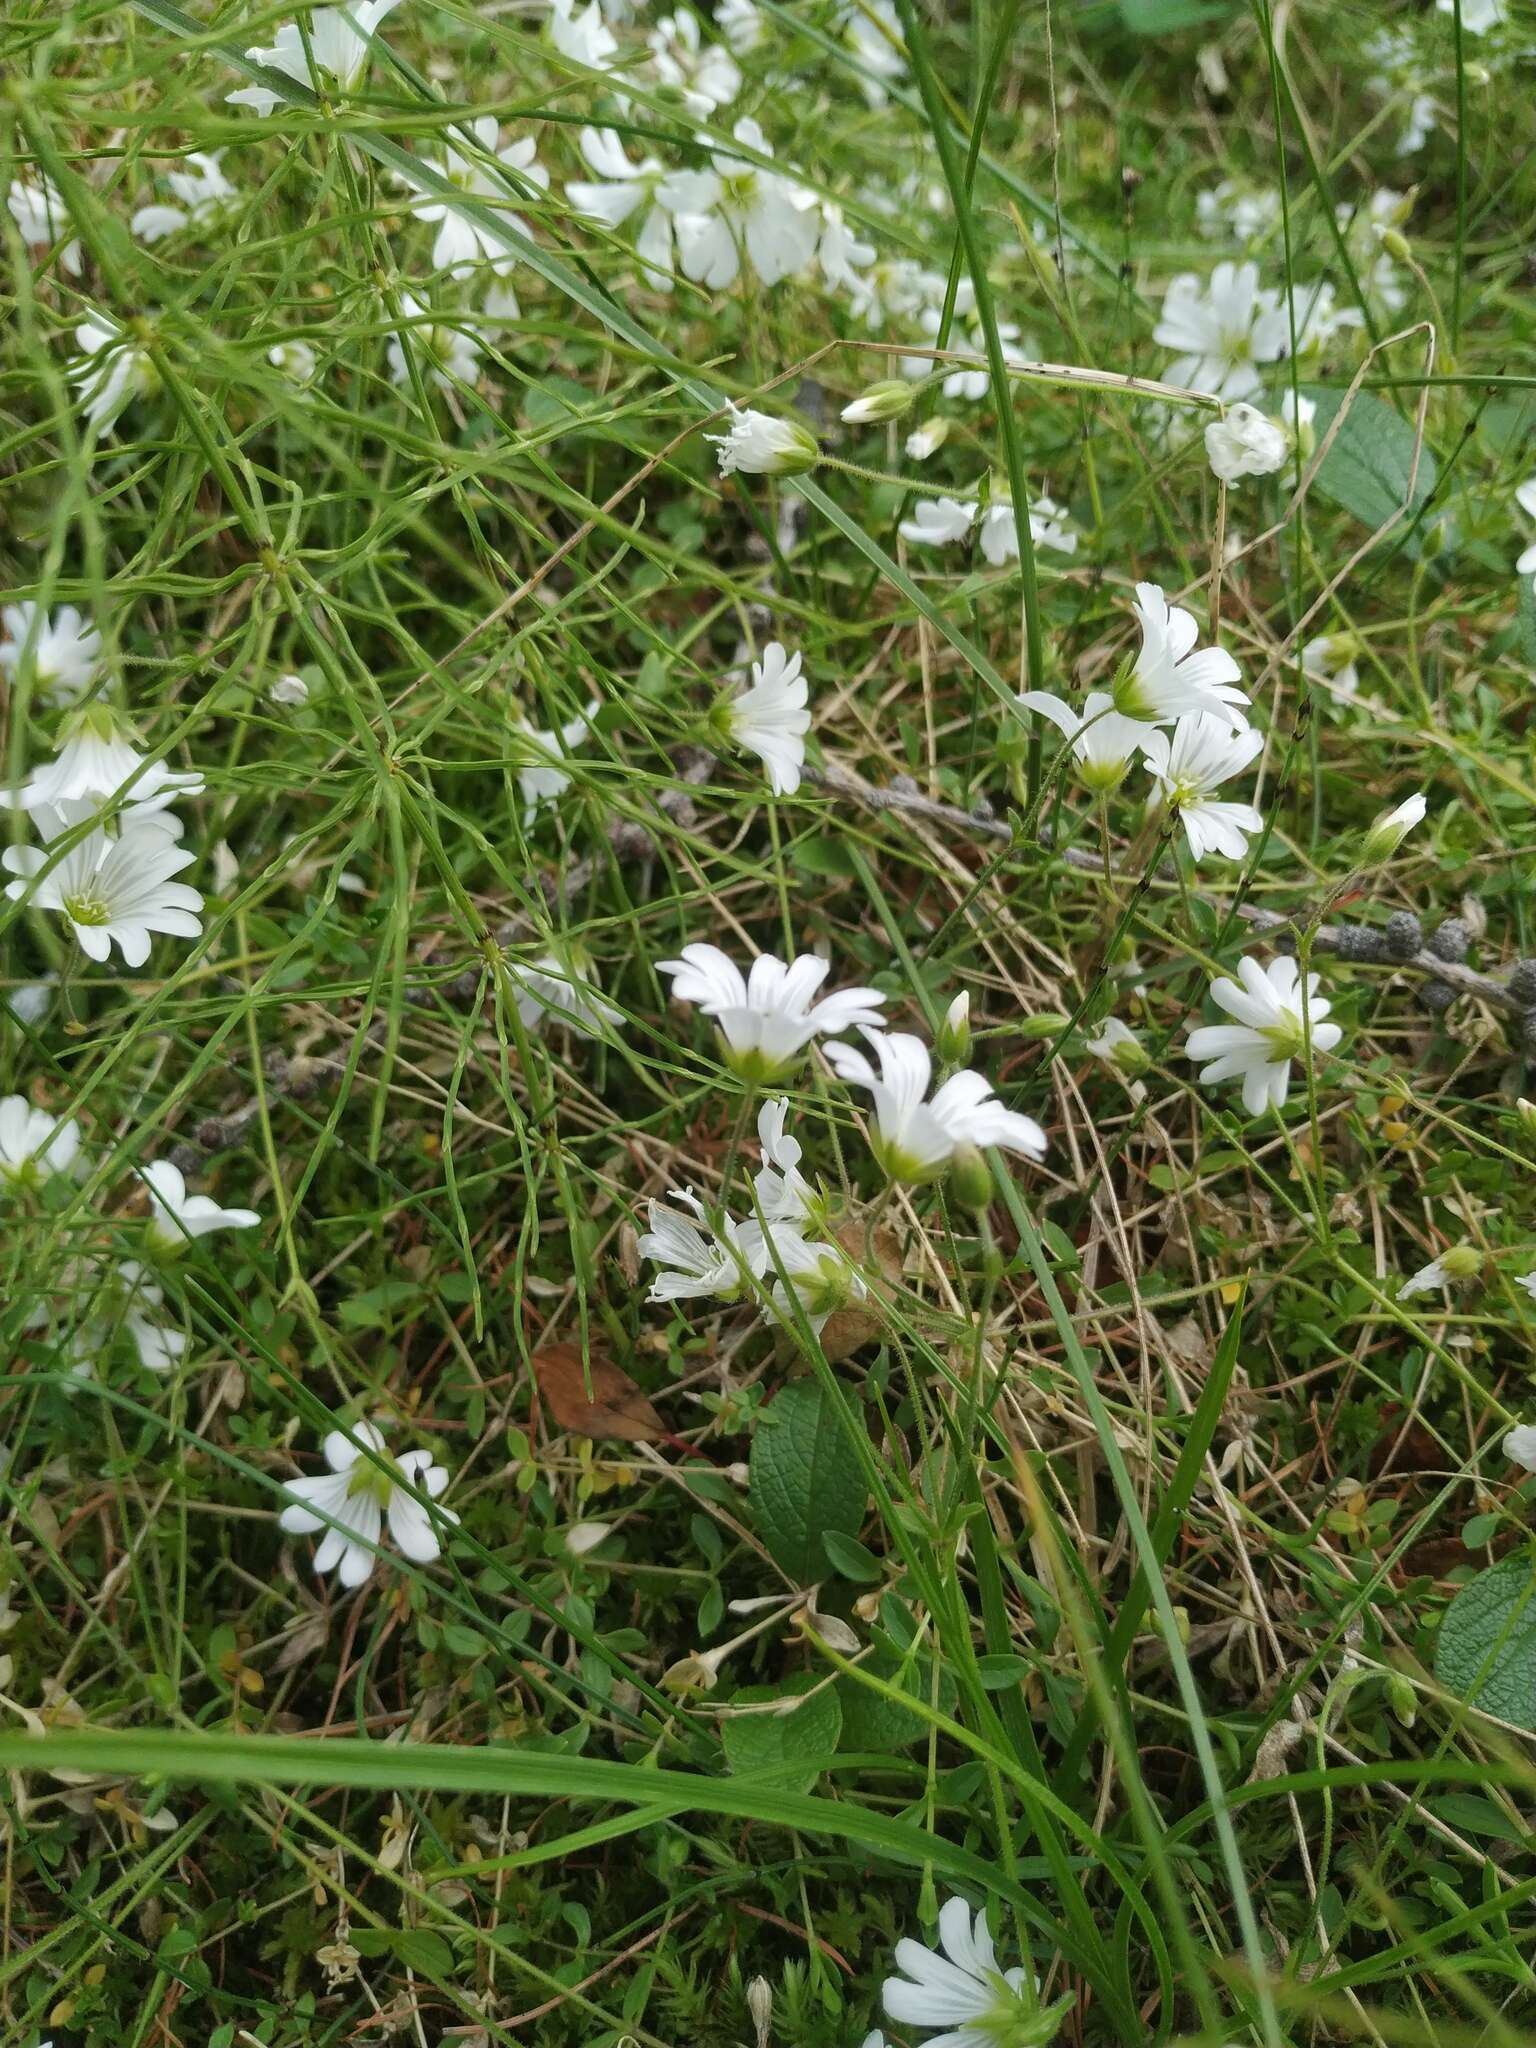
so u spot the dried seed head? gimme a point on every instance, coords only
(1402, 936)
(1437, 996)
(1451, 939)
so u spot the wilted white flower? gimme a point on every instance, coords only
(1268, 1033)
(772, 717)
(33, 1144)
(1222, 330)
(177, 1217)
(61, 651)
(289, 691)
(331, 48)
(757, 444)
(353, 1500)
(745, 207)
(925, 440)
(622, 189)
(1245, 442)
(560, 989)
(1104, 743)
(583, 1537)
(915, 1139)
(1119, 1047)
(961, 1990)
(1171, 676)
(1520, 1445)
(206, 195)
(1328, 660)
(452, 357)
(112, 891)
(1458, 1263)
(462, 243)
(42, 218)
(767, 1018)
(1187, 768)
(538, 777)
(295, 360)
(704, 73)
(111, 371)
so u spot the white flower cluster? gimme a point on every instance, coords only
(766, 1020)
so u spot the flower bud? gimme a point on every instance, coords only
(584, 1536)
(1461, 1262)
(1390, 830)
(1525, 1112)
(928, 439)
(970, 1178)
(760, 2005)
(1395, 242)
(1044, 1024)
(952, 1041)
(884, 401)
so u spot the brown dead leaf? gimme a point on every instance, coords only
(848, 1329)
(617, 1408)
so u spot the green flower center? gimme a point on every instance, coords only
(83, 908)
(379, 1480)
(1285, 1036)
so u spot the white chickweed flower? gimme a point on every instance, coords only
(741, 24)
(331, 48)
(583, 37)
(742, 206)
(1189, 765)
(96, 761)
(1268, 1034)
(61, 651)
(289, 691)
(704, 73)
(462, 243)
(782, 1193)
(696, 1261)
(452, 357)
(772, 717)
(1222, 330)
(111, 371)
(1119, 1047)
(915, 1139)
(1457, 1264)
(939, 522)
(1392, 828)
(42, 218)
(767, 1018)
(159, 1345)
(295, 360)
(960, 1990)
(560, 989)
(358, 1495)
(539, 778)
(1245, 442)
(1520, 1445)
(34, 1145)
(757, 444)
(113, 891)
(1171, 676)
(621, 190)
(207, 198)
(1104, 741)
(176, 1218)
